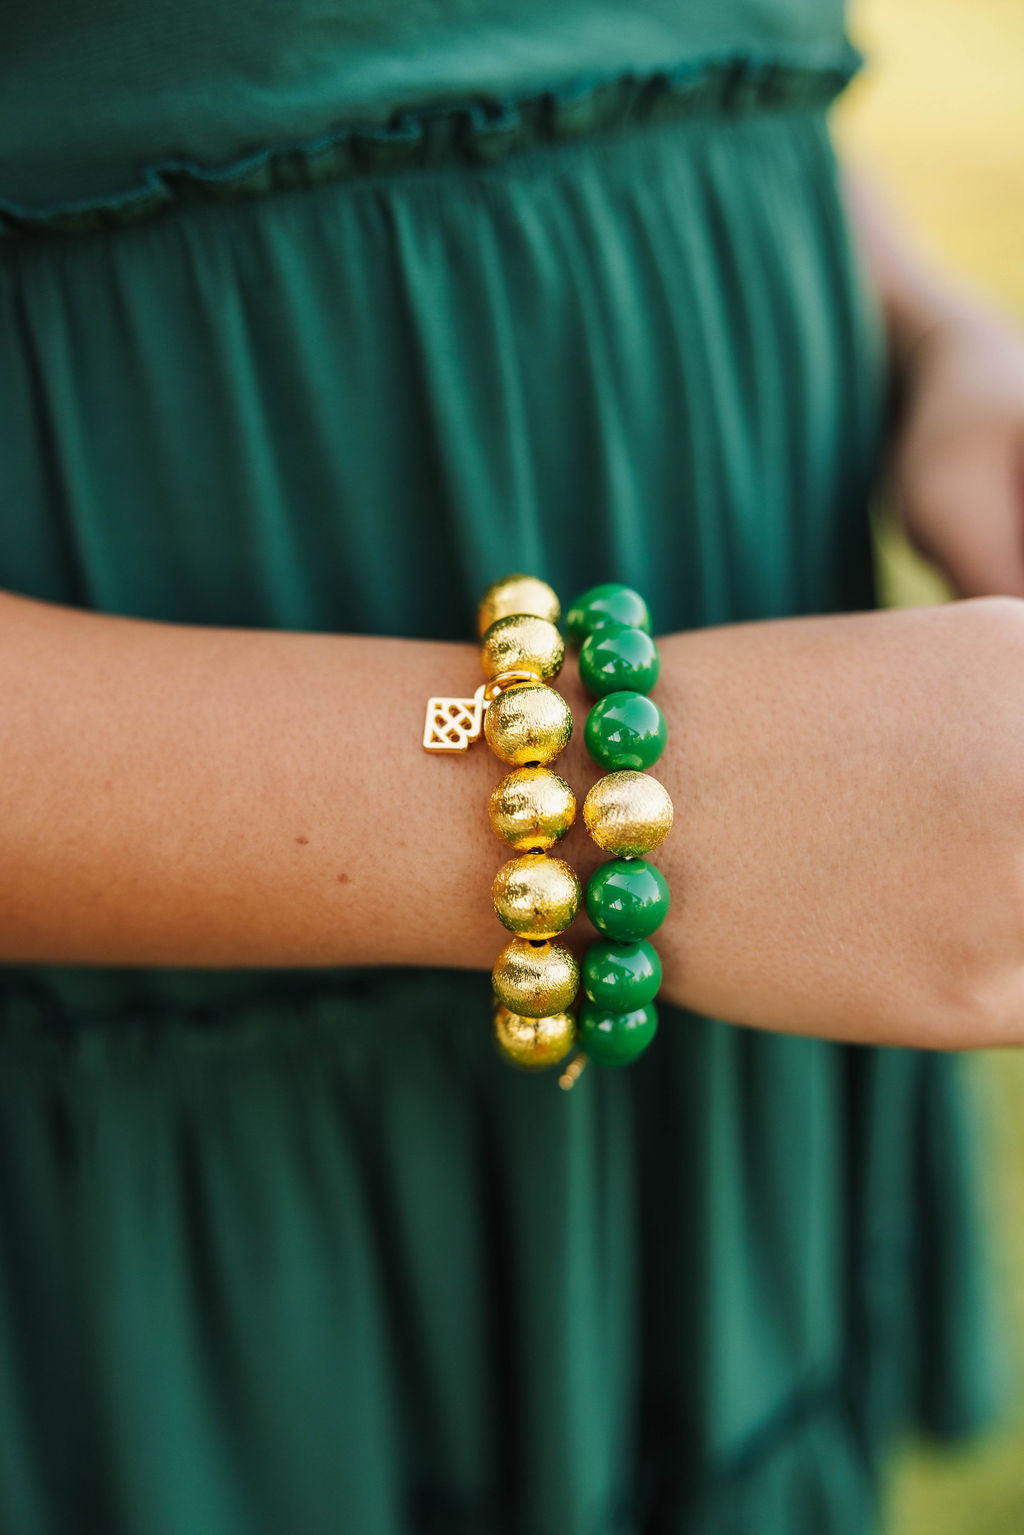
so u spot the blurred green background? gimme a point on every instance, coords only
(939, 111)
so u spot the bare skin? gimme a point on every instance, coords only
(958, 459)
(849, 854)
(848, 859)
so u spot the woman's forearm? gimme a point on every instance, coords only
(847, 859)
(200, 796)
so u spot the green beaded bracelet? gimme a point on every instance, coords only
(628, 814)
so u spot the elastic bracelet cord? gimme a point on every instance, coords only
(628, 814)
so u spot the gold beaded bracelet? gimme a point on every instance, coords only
(527, 724)
(628, 814)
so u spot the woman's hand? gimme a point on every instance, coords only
(958, 364)
(958, 463)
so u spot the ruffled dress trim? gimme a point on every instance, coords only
(477, 132)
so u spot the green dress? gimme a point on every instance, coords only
(321, 314)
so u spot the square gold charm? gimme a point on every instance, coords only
(452, 724)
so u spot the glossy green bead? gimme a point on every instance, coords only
(616, 659)
(615, 1039)
(627, 899)
(621, 976)
(625, 730)
(610, 603)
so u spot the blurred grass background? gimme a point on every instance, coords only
(939, 111)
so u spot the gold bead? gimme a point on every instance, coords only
(531, 808)
(517, 594)
(522, 643)
(528, 723)
(534, 1044)
(536, 897)
(628, 814)
(536, 980)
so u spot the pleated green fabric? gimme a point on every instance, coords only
(296, 1252)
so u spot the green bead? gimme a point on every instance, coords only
(615, 1039)
(625, 730)
(621, 976)
(616, 658)
(611, 603)
(627, 899)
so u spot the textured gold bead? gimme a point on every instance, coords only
(536, 897)
(522, 643)
(628, 814)
(536, 981)
(531, 808)
(534, 1044)
(528, 723)
(517, 594)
